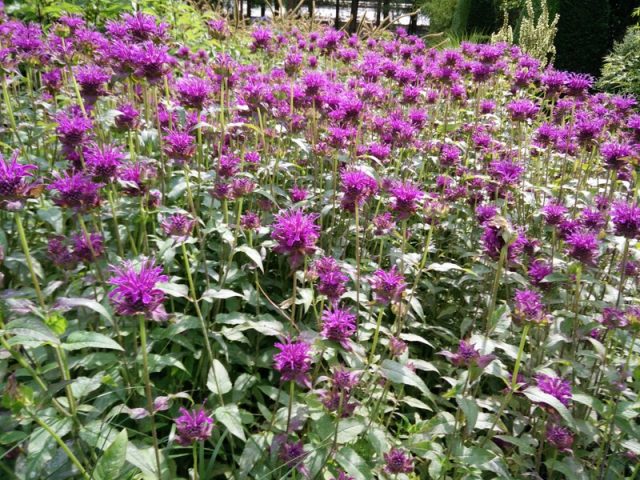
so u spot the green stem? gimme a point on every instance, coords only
(292, 388)
(63, 445)
(27, 254)
(376, 334)
(147, 385)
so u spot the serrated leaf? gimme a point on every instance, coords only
(218, 380)
(253, 254)
(229, 416)
(80, 340)
(113, 458)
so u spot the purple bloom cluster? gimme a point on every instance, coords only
(294, 361)
(193, 426)
(295, 234)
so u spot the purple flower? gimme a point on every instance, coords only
(135, 178)
(615, 155)
(295, 234)
(521, 110)
(102, 162)
(297, 194)
(383, 224)
(16, 182)
(592, 220)
(136, 291)
(331, 280)
(559, 437)
(127, 117)
(60, 254)
(397, 347)
(583, 246)
(76, 191)
(537, 272)
(487, 212)
(388, 286)
(150, 61)
(193, 426)
(178, 226)
(193, 91)
(294, 361)
(553, 213)
(179, 146)
(261, 38)
(339, 325)
(468, 356)
(626, 219)
(87, 249)
(250, 221)
(506, 171)
(405, 195)
(613, 318)
(528, 307)
(357, 187)
(338, 396)
(292, 454)
(398, 461)
(556, 387)
(72, 127)
(242, 187)
(92, 79)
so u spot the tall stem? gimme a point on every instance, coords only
(147, 386)
(27, 254)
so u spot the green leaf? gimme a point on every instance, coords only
(218, 380)
(229, 416)
(113, 458)
(87, 303)
(56, 322)
(470, 409)
(399, 373)
(536, 395)
(353, 464)
(349, 429)
(223, 294)
(30, 330)
(253, 254)
(80, 340)
(443, 267)
(174, 289)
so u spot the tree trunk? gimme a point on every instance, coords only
(386, 9)
(337, 22)
(378, 12)
(249, 9)
(310, 8)
(413, 20)
(263, 9)
(353, 26)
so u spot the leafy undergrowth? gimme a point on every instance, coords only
(279, 252)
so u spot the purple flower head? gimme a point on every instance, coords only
(136, 291)
(193, 426)
(297, 194)
(521, 110)
(92, 80)
(75, 191)
(626, 219)
(179, 146)
(592, 220)
(262, 38)
(16, 180)
(178, 226)
(292, 454)
(52, 80)
(293, 361)
(405, 195)
(193, 91)
(485, 213)
(556, 387)
(357, 186)
(559, 437)
(127, 117)
(102, 162)
(388, 286)
(615, 155)
(331, 280)
(493, 239)
(553, 213)
(60, 254)
(339, 325)
(397, 346)
(250, 221)
(150, 61)
(228, 165)
(295, 234)
(337, 398)
(398, 461)
(537, 272)
(383, 224)
(87, 249)
(142, 27)
(583, 246)
(468, 356)
(506, 172)
(242, 187)
(613, 318)
(135, 178)
(528, 307)
(72, 127)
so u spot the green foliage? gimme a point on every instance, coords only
(621, 69)
(440, 13)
